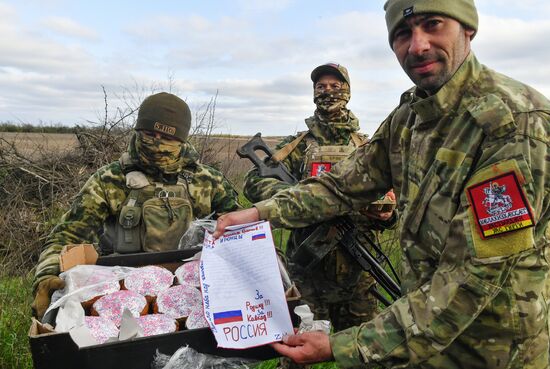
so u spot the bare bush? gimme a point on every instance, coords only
(38, 184)
(218, 151)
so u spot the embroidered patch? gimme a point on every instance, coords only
(319, 167)
(408, 12)
(499, 205)
(165, 128)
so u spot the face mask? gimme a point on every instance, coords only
(331, 105)
(161, 153)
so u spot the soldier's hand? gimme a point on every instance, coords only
(305, 348)
(234, 218)
(44, 294)
(384, 216)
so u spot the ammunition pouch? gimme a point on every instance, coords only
(165, 220)
(127, 230)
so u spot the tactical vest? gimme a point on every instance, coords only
(310, 245)
(153, 217)
(318, 158)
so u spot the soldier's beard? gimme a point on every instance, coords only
(162, 154)
(331, 106)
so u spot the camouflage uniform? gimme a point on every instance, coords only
(103, 195)
(468, 302)
(336, 289)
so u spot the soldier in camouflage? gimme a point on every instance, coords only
(144, 201)
(475, 268)
(335, 289)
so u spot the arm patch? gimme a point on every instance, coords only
(499, 213)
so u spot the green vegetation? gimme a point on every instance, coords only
(15, 321)
(272, 364)
(25, 127)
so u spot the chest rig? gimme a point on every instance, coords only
(153, 217)
(321, 158)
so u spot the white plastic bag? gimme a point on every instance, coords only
(194, 236)
(188, 358)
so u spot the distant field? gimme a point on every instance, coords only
(222, 153)
(34, 144)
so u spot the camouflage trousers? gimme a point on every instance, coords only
(337, 289)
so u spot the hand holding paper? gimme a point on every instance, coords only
(243, 296)
(235, 218)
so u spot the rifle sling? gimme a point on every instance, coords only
(284, 151)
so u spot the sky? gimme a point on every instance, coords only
(60, 60)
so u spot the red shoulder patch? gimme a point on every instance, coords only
(319, 167)
(500, 205)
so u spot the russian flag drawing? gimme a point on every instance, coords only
(228, 317)
(259, 236)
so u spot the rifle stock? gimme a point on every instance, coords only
(266, 168)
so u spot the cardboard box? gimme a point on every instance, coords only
(53, 350)
(73, 255)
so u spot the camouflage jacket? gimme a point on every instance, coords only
(468, 301)
(103, 195)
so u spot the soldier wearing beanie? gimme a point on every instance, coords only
(160, 172)
(467, 154)
(335, 288)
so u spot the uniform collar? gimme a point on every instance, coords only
(447, 98)
(332, 133)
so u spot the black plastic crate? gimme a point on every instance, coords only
(58, 351)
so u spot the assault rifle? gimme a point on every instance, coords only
(312, 249)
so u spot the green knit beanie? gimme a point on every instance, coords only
(165, 113)
(463, 11)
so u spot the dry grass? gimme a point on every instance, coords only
(222, 154)
(34, 145)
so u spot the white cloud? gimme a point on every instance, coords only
(42, 79)
(70, 28)
(533, 7)
(25, 49)
(515, 47)
(264, 5)
(262, 78)
(7, 11)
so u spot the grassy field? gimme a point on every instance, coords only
(15, 312)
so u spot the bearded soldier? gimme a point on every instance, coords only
(473, 289)
(335, 288)
(144, 201)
